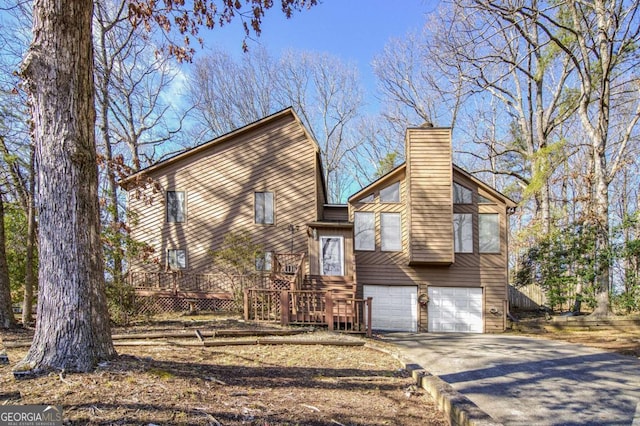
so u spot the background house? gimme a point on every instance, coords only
(427, 241)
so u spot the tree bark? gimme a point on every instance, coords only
(72, 329)
(7, 320)
(30, 278)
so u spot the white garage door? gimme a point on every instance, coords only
(455, 309)
(394, 308)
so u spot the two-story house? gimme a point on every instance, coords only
(427, 241)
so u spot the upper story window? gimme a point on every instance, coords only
(264, 211)
(390, 194)
(367, 199)
(461, 195)
(463, 232)
(390, 232)
(264, 261)
(364, 229)
(484, 200)
(489, 230)
(176, 259)
(175, 202)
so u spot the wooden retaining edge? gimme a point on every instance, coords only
(459, 409)
(243, 342)
(214, 333)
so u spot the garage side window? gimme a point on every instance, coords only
(390, 232)
(175, 203)
(489, 230)
(264, 211)
(364, 230)
(463, 232)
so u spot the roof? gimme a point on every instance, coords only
(398, 170)
(227, 137)
(390, 175)
(494, 192)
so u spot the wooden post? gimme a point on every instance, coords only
(174, 277)
(284, 307)
(369, 300)
(328, 309)
(246, 304)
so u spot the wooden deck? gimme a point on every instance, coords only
(283, 294)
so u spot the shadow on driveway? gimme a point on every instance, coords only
(528, 381)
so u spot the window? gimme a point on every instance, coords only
(390, 232)
(461, 195)
(175, 206)
(484, 200)
(264, 208)
(390, 194)
(489, 229)
(176, 259)
(463, 232)
(365, 230)
(263, 261)
(367, 199)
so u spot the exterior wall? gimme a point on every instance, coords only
(487, 271)
(220, 183)
(336, 213)
(429, 168)
(314, 249)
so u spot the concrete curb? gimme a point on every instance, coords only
(459, 409)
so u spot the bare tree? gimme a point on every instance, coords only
(72, 329)
(16, 144)
(598, 38)
(228, 94)
(323, 90)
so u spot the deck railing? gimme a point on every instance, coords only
(337, 312)
(191, 285)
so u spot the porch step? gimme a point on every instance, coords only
(339, 285)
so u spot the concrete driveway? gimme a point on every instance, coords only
(529, 381)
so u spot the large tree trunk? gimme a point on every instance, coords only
(7, 320)
(72, 329)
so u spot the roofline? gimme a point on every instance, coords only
(227, 136)
(508, 201)
(387, 176)
(391, 174)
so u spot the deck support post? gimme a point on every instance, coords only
(284, 307)
(328, 310)
(246, 304)
(369, 300)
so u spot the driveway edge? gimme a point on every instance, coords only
(459, 409)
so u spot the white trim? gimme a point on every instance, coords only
(321, 242)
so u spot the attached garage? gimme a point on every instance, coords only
(455, 309)
(394, 308)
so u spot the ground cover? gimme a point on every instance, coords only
(228, 385)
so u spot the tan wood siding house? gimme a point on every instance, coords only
(427, 241)
(222, 181)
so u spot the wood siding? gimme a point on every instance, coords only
(486, 271)
(336, 213)
(429, 171)
(220, 183)
(314, 249)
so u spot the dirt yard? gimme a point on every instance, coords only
(228, 385)
(619, 336)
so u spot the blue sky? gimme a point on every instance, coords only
(353, 30)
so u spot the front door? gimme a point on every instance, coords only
(331, 256)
